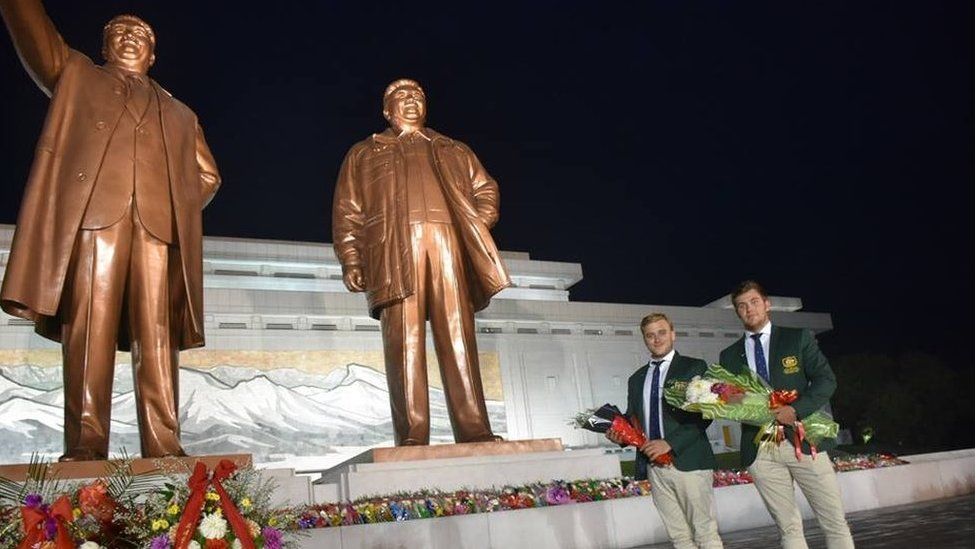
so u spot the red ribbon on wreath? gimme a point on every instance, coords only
(198, 483)
(783, 397)
(36, 524)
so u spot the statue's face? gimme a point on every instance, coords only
(129, 44)
(406, 107)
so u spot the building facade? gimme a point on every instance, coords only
(293, 365)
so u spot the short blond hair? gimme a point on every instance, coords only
(654, 317)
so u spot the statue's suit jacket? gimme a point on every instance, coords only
(795, 362)
(86, 104)
(684, 431)
(370, 218)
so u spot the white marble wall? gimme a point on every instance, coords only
(557, 357)
(634, 522)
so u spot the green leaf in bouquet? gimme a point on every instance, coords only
(818, 427)
(126, 486)
(40, 480)
(581, 419)
(748, 380)
(10, 492)
(743, 412)
(674, 393)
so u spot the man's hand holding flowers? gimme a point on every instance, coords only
(655, 448)
(785, 415)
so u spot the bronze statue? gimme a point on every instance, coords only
(410, 223)
(108, 244)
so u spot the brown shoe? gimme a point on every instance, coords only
(411, 442)
(487, 438)
(82, 455)
(179, 453)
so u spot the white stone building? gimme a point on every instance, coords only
(283, 335)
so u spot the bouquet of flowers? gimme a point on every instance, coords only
(746, 398)
(229, 510)
(608, 418)
(226, 510)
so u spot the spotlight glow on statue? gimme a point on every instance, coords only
(108, 244)
(410, 225)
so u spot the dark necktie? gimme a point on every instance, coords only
(760, 355)
(654, 404)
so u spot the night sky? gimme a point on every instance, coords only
(672, 149)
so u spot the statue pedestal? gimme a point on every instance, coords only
(467, 449)
(291, 489)
(481, 465)
(74, 470)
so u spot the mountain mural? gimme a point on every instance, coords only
(272, 414)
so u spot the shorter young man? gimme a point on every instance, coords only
(787, 358)
(682, 492)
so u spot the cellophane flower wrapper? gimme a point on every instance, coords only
(608, 418)
(752, 409)
(598, 420)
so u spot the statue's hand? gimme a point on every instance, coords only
(353, 279)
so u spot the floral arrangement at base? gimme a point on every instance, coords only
(428, 504)
(229, 510)
(433, 503)
(730, 477)
(860, 462)
(124, 510)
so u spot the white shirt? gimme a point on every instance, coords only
(766, 332)
(648, 379)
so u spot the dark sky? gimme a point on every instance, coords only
(671, 148)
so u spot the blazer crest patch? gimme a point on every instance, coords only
(791, 365)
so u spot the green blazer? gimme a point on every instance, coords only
(684, 431)
(795, 362)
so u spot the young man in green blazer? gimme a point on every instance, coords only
(787, 358)
(682, 492)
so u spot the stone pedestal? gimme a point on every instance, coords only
(384, 471)
(72, 470)
(468, 449)
(290, 489)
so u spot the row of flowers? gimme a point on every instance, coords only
(232, 511)
(430, 504)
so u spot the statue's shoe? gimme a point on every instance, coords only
(487, 438)
(82, 455)
(412, 442)
(178, 453)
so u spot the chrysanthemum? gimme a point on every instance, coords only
(213, 527)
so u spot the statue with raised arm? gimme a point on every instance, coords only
(410, 221)
(107, 250)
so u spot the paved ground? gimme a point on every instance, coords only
(940, 524)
